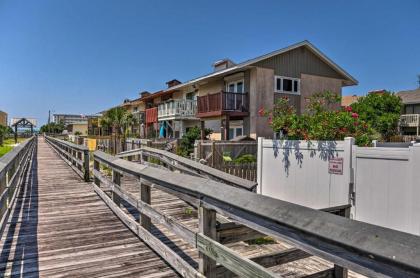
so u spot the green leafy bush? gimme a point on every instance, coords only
(186, 145)
(381, 112)
(245, 158)
(320, 120)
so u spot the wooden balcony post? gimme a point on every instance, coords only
(203, 130)
(207, 226)
(227, 127)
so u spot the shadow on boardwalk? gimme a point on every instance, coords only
(19, 242)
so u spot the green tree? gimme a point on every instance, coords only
(381, 111)
(52, 128)
(186, 145)
(3, 132)
(120, 121)
(115, 118)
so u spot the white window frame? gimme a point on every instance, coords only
(276, 77)
(235, 82)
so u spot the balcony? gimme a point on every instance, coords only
(151, 115)
(223, 103)
(139, 116)
(177, 109)
(410, 120)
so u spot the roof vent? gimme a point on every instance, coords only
(173, 82)
(223, 64)
(126, 100)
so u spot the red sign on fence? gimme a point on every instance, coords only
(335, 166)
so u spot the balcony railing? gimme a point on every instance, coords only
(185, 108)
(410, 120)
(151, 115)
(222, 102)
(139, 116)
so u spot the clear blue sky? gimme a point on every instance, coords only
(82, 56)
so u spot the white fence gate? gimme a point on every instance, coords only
(382, 184)
(387, 184)
(303, 172)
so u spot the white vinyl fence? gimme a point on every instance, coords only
(303, 172)
(387, 184)
(382, 184)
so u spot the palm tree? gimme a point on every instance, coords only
(120, 120)
(129, 122)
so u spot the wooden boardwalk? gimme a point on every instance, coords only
(59, 227)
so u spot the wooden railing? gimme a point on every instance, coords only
(151, 115)
(222, 101)
(367, 249)
(77, 156)
(177, 108)
(411, 120)
(184, 165)
(13, 166)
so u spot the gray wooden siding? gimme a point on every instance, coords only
(297, 61)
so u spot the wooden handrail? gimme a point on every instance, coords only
(12, 169)
(367, 249)
(77, 156)
(189, 166)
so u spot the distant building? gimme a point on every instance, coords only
(82, 128)
(67, 119)
(3, 118)
(410, 118)
(349, 100)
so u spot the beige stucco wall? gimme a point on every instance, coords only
(211, 87)
(82, 128)
(261, 95)
(311, 84)
(179, 95)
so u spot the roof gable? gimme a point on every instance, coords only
(410, 97)
(349, 80)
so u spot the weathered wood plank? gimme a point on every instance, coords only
(231, 260)
(165, 252)
(60, 227)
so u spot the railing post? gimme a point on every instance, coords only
(86, 165)
(339, 271)
(207, 226)
(146, 197)
(96, 166)
(116, 178)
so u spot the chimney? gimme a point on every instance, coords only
(223, 64)
(144, 94)
(173, 82)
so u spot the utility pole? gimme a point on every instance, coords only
(49, 116)
(418, 81)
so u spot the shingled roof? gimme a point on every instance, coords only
(410, 97)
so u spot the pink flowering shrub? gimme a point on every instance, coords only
(321, 120)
